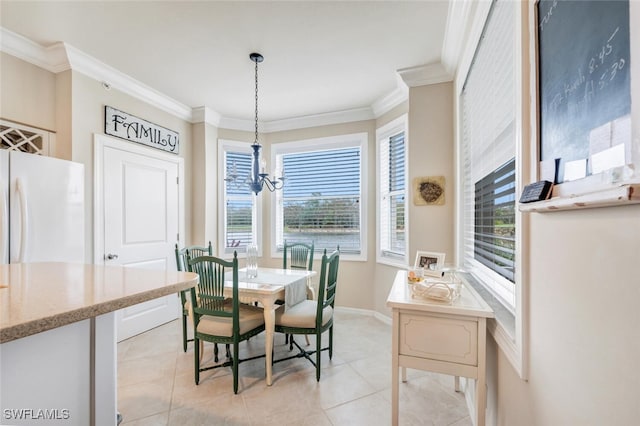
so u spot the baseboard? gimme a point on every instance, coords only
(377, 315)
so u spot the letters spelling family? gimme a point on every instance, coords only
(139, 132)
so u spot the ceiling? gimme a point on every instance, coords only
(320, 56)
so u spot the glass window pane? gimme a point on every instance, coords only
(494, 232)
(321, 198)
(239, 202)
(239, 223)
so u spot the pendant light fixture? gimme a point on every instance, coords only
(258, 177)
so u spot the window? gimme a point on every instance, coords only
(494, 230)
(240, 205)
(493, 121)
(488, 157)
(392, 193)
(322, 197)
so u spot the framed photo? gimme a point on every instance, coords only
(429, 260)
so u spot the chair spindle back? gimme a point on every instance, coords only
(328, 282)
(299, 256)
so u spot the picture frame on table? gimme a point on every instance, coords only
(429, 260)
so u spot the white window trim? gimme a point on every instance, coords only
(400, 124)
(318, 144)
(235, 146)
(513, 344)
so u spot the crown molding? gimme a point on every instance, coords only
(52, 58)
(302, 122)
(91, 67)
(206, 115)
(455, 32)
(239, 124)
(61, 57)
(326, 119)
(423, 75)
(399, 95)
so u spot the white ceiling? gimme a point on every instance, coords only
(320, 56)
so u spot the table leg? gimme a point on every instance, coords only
(481, 390)
(394, 369)
(269, 328)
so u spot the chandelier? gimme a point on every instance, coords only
(258, 177)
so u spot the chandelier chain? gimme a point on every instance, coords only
(256, 135)
(257, 177)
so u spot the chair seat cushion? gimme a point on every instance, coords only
(302, 315)
(250, 318)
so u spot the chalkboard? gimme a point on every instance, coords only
(584, 73)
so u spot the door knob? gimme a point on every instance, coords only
(111, 256)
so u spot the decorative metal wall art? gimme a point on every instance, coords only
(428, 191)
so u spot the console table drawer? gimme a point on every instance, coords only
(438, 338)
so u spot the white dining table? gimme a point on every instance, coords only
(270, 285)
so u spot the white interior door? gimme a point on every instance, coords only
(141, 208)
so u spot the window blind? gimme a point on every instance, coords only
(494, 227)
(488, 104)
(392, 196)
(239, 202)
(321, 199)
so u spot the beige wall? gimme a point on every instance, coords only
(431, 154)
(204, 160)
(28, 93)
(430, 151)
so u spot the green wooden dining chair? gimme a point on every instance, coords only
(218, 318)
(313, 317)
(181, 264)
(298, 255)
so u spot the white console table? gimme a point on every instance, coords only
(439, 337)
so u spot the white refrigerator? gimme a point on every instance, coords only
(41, 220)
(41, 209)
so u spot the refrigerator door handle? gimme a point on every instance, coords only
(4, 224)
(24, 226)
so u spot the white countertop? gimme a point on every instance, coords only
(36, 297)
(469, 303)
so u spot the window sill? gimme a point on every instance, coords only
(400, 264)
(502, 327)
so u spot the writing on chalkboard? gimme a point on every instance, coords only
(544, 20)
(602, 69)
(584, 78)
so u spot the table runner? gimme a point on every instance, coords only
(295, 287)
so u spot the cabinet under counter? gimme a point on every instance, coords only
(58, 338)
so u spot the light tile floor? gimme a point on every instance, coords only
(156, 384)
